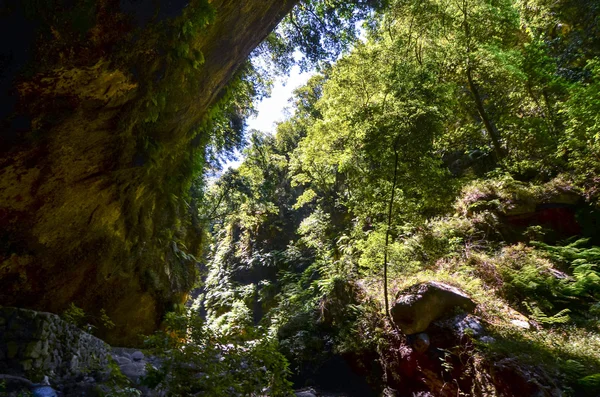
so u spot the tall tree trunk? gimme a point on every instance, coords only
(487, 122)
(489, 126)
(387, 233)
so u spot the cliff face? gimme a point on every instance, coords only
(101, 103)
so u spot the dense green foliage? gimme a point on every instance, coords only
(457, 142)
(228, 366)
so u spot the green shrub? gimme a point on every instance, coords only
(590, 383)
(197, 359)
(529, 278)
(78, 317)
(74, 315)
(584, 263)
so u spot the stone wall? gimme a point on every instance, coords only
(34, 344)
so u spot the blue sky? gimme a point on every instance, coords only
(272, 110)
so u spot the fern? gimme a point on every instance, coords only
(562, 317)
(584, 262)
(591, 382)
(571, 252)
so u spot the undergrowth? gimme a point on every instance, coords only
(196, 359)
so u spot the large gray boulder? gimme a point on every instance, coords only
(415, 308)
(134, 365)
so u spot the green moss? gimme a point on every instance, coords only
(12, 349)
(34, 349)
(122, 117)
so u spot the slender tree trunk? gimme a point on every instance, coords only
(487, 122)
(489, 126)
(387, 233)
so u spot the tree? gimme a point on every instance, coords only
(380, 116)
(320, 30)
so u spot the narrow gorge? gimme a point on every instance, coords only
(422, 221)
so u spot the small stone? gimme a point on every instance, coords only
(521, 324)
(45, 346)
(74, 363)
(133, 371)
(306, 393)
(389, 392)
(34, 349)
(137, 356)
(122, 360)
(27, 365)
(421, 342)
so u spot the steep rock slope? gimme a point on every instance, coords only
(101, 107)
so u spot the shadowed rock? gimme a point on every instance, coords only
(421, 304)
(82, 219)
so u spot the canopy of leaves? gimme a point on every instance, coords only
(491, 105)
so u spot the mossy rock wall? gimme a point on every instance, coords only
(101, 108)
(34, 344)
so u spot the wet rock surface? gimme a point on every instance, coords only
(76, 230)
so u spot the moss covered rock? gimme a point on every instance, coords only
(101, 108)
(421, 304)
